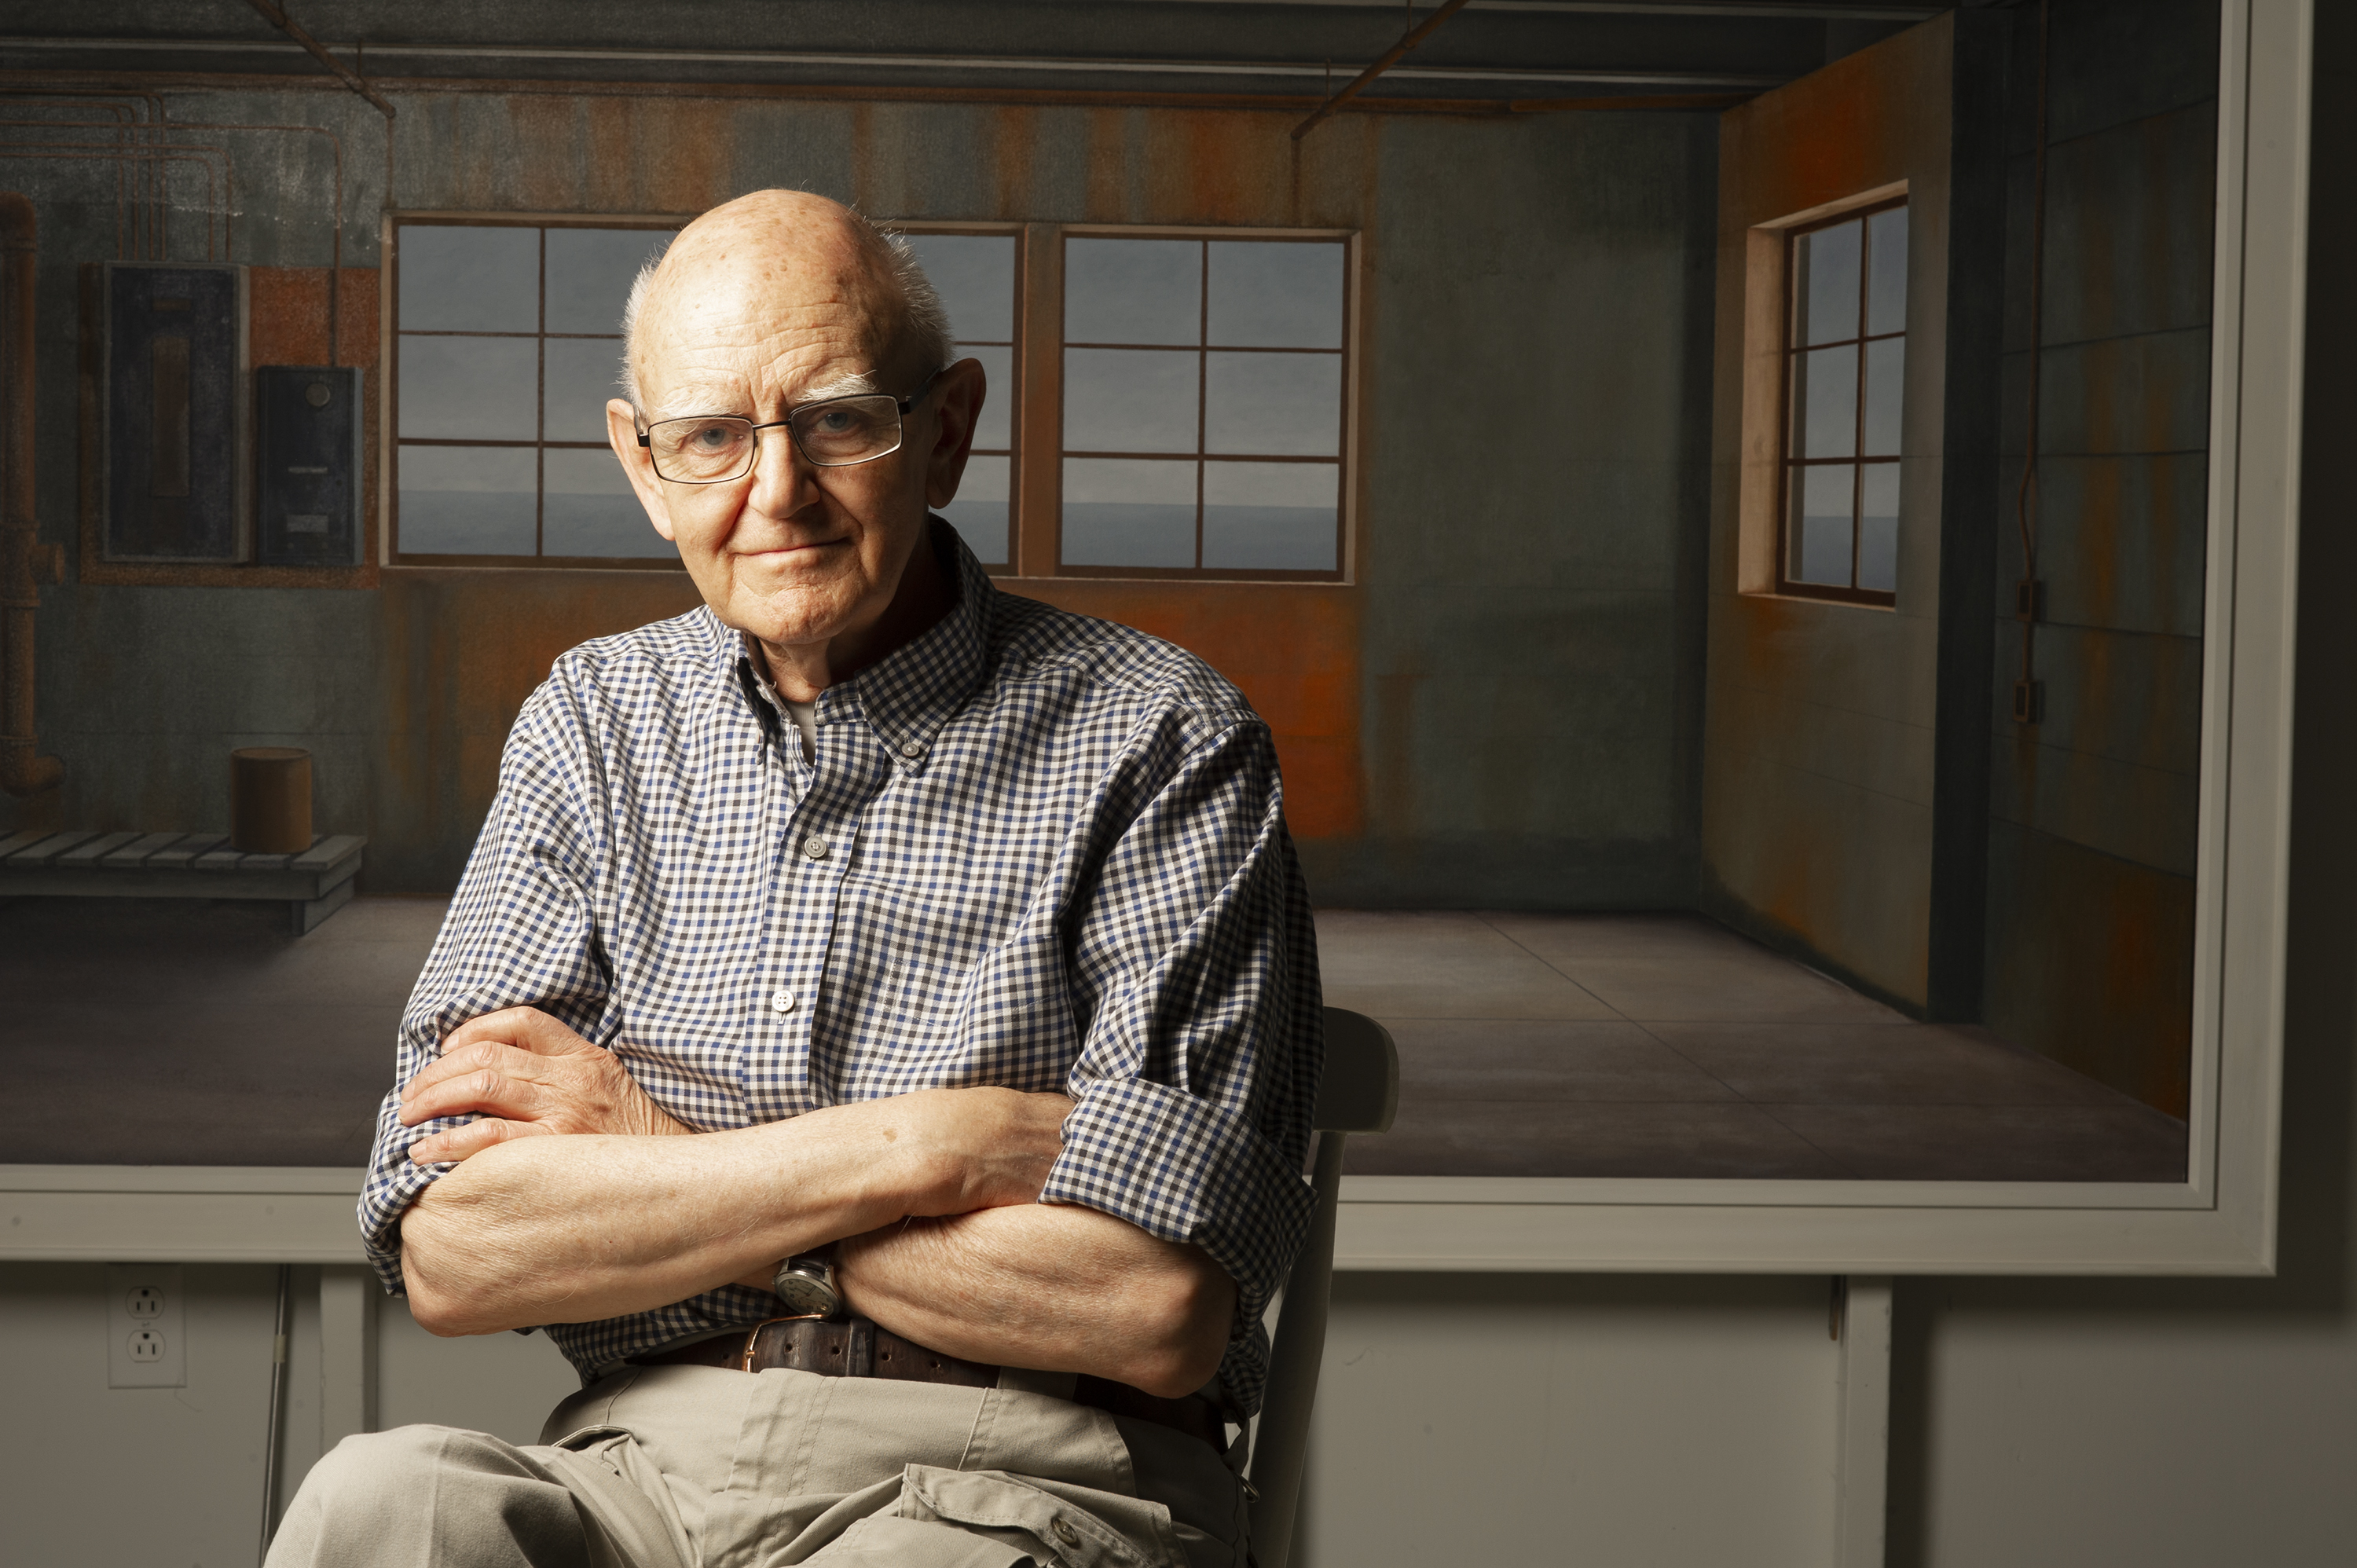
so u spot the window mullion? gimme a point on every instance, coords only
(1858, 437)
(540, 410)
(1202, 383)
(1786, 413)
(1040, 429)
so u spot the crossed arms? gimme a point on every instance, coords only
(931, 1194)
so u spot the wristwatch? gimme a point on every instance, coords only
(805, 1284)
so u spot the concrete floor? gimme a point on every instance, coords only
(141, 1032)
(198, 1031)
(1667, 1046)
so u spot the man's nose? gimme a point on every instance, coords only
(783, 481)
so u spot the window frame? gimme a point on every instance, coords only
(390, 405)
(1345, 460)
(1035, 464)
(1018, 361)
(1788, 354)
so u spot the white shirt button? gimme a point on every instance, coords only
(782, 1000)
(913, 750)
(815, 848)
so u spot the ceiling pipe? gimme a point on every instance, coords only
(24, 564)
(277, 17)
(1390, 57)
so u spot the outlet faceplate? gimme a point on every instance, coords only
(146, 1329)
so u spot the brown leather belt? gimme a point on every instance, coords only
(858, 1348)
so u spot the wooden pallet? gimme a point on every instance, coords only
(314, 883)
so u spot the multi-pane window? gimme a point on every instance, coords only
(1846, 354)
(975, 275)
(510, 345)
(1198, 428)
(1203, 406)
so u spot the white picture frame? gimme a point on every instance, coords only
(2220, 1221)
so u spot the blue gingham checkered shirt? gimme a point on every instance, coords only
(1033, 850)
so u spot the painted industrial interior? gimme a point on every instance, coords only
(1546, 690)
(1393, 697)
(1503, 705)
(1871, 799)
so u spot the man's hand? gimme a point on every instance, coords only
(525, 1073)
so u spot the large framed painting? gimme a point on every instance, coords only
(1978, 962)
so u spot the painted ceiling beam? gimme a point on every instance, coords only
(1668, 78)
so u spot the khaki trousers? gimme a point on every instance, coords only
(682, 1466)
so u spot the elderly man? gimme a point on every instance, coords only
(865, 908)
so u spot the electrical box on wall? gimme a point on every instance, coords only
(173, 407)
(307, 465)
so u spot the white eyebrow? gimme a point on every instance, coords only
(858, 383)
(691, 401)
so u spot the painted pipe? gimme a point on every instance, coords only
(23, 562)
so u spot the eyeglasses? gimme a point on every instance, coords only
(833, 433)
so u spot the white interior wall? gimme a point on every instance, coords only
(1680, 1422)
(1622, 1423)
(2075, 1425)
(1528, 1419)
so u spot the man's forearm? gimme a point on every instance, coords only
(570, 1230)
(1053, 1287)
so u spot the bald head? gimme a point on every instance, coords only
(816, 261)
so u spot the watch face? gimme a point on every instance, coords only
(805, 1293)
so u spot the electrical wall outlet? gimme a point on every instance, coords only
(147, 1328)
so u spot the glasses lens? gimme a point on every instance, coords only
(701, 451)
(847, 429)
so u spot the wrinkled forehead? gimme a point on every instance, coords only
(772, 315)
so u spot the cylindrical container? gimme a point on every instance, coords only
(269, 799)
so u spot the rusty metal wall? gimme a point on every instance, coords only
(1500, 710)
(1818, 738)
(2094, 807)
(1836, 786)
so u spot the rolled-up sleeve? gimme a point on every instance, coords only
(519, 933)
(1198, 1070)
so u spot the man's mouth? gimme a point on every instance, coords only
(788, 554)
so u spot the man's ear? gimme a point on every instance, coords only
(638, 464)
(958, 395)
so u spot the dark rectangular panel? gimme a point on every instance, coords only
(175, 411)
(307, 465)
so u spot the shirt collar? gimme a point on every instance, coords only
(909, 694)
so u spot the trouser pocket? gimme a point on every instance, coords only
(983, 1518)
(631, 1521)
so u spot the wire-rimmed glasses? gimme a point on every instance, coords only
(833, 433)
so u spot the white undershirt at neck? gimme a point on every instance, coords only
(805, 717)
